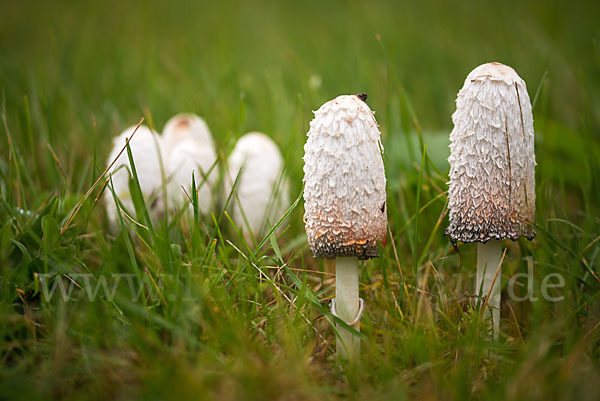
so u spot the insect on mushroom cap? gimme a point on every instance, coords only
(344, 181)
(492, 160)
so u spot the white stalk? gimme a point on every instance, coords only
(489, 256)
(347, 305)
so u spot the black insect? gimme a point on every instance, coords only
(362, 96)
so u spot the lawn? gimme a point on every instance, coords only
(198, 313)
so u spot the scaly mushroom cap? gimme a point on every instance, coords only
(344, 181)
(262, 193)
(492, 159)
(145, 148)
(189, 149)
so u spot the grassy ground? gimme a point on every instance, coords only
(205, 325)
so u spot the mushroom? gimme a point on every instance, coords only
(492, 178)
(344, 200)
(261, 197)
(189, 149)
(145, 148)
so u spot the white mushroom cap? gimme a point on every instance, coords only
(186, 126)
(189, 148)
(492, 158)
(344, 181)
(261, 190)
(145, 148)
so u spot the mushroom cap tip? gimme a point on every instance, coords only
(495, 71)
(185, 126)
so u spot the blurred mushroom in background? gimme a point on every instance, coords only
(261, 195)
(145, 148)
(189, 149)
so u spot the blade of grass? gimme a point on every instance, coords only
(87, 194)
(417, 213)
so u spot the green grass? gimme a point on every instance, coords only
(218, 319)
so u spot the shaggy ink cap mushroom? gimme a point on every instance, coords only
(145, 148)
(185, 126)
(492, 160)
(189, 149)
(344, 181)
(262, 192)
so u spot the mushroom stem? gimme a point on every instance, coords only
(489, 256)
(347, 306)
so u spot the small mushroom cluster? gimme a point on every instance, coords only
(491, 194)
(165, 165)
(491, 188)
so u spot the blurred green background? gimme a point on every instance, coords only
(97, 67)
(73, 74)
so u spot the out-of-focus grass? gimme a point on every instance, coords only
(217, 319)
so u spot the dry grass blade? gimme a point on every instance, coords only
(585, 263)
(308, 271)
(87, 194)
(11, 154)
(588, 246)
(132, 219)
(393, 241)
(494, 281)
(55, 157)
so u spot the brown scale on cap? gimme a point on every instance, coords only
(183, 123)
(344, 193)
